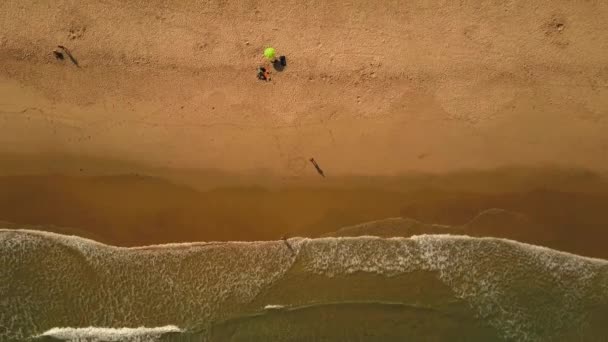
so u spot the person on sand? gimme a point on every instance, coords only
(263, 74)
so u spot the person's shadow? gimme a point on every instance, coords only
(280, 64)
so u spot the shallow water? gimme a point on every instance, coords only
(433, 287)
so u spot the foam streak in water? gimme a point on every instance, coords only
(141, 334)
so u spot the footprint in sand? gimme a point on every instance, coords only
(554, 29)
(76, 32)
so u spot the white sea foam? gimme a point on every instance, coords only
(499, 278)
(95, 334)
(116, 284)
(274, 307)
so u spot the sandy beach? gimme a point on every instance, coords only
(368, 89)
(160, 100)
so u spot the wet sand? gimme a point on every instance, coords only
(558, 208)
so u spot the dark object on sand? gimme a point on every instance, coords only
(279, 64)
(263, 74)
(67, 52)
(58, 54)
(312, 160)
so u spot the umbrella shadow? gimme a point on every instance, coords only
(279, 64)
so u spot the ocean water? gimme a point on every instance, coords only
(426, 287)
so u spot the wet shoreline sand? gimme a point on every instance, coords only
(541, 206)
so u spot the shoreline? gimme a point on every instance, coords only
(198, 244)
(538, 206)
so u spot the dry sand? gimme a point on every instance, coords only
(370, 87)
(372, 90)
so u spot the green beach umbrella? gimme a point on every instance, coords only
(269, 53)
